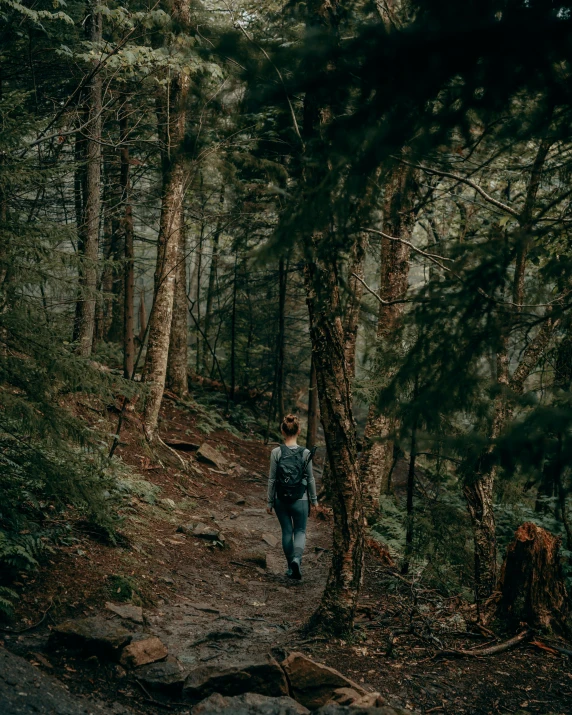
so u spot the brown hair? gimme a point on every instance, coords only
(290, 426)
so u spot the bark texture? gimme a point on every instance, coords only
(377, 454)
(339, 601)
(89, 239)
(177, 365)
(172, 118)
(532, 583)
(129, 269)
(336, 611)
(312, 430)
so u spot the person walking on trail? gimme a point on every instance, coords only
(290, 482)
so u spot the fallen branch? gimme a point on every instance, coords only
(492, 650)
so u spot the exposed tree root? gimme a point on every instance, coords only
(491, 650)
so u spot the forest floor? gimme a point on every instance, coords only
(190, 587)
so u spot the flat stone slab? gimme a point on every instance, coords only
(249, 704)
(26, 690)
(126, 611)
(96, 636)
(314, 684)
(260, 675)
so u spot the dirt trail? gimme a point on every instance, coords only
(209, 603)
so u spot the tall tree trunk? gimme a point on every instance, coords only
(177, 366)
(212, 279)
(479, 486)
(128, 236)
(199, 266)
(281, 337)
(336, 611)
(117, 251)
(337, 608)
(142, 317)
(312, 430)
(398, 221)
(233, 330)
(92, 200)
(172, 117)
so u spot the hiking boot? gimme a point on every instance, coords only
(295, 568)
(288, 573)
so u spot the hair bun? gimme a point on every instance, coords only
(290, 425)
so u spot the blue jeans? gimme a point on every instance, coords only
(293, 519)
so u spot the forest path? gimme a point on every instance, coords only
(197, 625)
(210, 604)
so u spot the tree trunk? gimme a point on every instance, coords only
(211, 285)
(172, 117)
(532, 583)
(92, 201)
(410, 493)
(142, 317)
(312, 429)
(336, 611)
(128, 236)
(233, 330)
(353, 303)
(177, 372)
(377, 454)
(281, 337)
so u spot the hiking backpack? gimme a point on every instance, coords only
(291, 480)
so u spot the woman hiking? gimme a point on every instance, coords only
(289, 482)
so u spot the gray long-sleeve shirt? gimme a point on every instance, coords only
(274, 459)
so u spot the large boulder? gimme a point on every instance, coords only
(260, 675)
(93, 636)
(314, 684)
(249, 704)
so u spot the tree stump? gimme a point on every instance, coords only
(532, 583)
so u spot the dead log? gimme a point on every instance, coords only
(532, 584)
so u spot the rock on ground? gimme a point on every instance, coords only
(166, 676)
(126, 611)
(254, 556)
(25, 690)
(210, 455)
(142, 652)
(313, 684)
(249, 704)
(262, 675)
(96, 636)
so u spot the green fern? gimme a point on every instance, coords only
(7, 598)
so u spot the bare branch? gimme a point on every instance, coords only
(468, 182)
(434, 258)
(376, 295)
